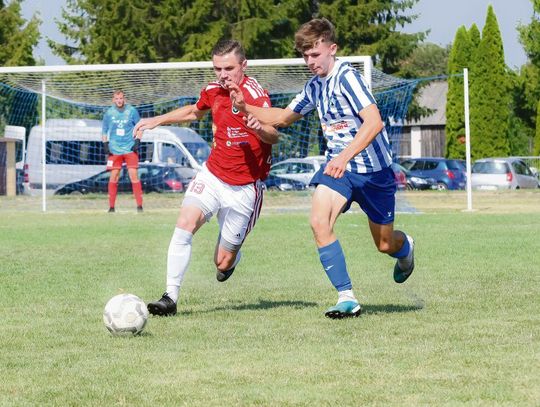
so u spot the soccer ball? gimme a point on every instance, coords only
(125, 314)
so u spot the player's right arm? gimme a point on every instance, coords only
(183, 114)
(105, 128)
(272, 116)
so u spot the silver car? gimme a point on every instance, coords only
(298, 169)
(503, 173)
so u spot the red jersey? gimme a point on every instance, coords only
(238, 156)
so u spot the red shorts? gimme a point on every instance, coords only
(114, 162)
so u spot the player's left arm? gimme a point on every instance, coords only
(105, 128)
(135, 118)
(371, 126)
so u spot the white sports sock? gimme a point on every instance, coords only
(178, 259)
(346, 295)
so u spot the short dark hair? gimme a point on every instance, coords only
(312, 31)
(227, 46)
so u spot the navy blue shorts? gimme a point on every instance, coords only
(375, 192)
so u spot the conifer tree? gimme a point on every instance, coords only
(490, 94)
(119, 31)
(460, 56)
(18, 37)
(474, 36)
(527, 90)
(536, 143)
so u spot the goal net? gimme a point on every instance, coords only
(56, 111)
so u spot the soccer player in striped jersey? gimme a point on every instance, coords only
(358, 159)
(230, 184)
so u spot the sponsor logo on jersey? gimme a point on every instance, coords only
(334, 127)
(236, 132)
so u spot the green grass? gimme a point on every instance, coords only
(464, 329)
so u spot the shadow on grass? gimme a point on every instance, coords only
(260, 305)
(390, 308)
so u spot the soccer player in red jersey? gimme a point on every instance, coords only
(230, 183)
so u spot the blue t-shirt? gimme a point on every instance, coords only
(118, 128)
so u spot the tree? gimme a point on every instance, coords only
(119, 31)
(490, 94)
(460, 57)
(527, 91)
(523, 110)
(369, 27)
(18, 37)
(536, 145)
(428, 60)
(474, 36)
(425, 61)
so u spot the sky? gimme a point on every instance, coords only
(441, 17)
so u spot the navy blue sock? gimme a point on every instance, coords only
(333, 262)
(404, 251)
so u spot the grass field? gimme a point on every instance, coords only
(464, 330)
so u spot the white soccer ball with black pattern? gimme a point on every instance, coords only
(125, 314)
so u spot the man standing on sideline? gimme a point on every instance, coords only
(121, 146)
(229, 185)
(358, 159)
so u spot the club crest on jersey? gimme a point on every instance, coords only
(235, 110)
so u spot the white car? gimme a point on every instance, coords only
(298, 169)
(503, 173)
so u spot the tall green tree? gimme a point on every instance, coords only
(474, 36)
(536, 143)
(460, 58)
(371, 27)
(120, 31)
(123, 31)
(18, 37)
(527, 91)
(427, 60)
(490, 92)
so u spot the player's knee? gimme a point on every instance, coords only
(384, 247)
(319, 225)
(187, 223)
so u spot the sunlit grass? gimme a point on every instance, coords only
(463, 330)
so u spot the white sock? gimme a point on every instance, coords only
(178, 261)
(346, 295)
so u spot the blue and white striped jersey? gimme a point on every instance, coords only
(338, 98)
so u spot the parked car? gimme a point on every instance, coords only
(153, 177)
(502, 173)
(19, 176)
(415, 182)
(399, 175)
(275, 183)
(298, 169)
(448, 173)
